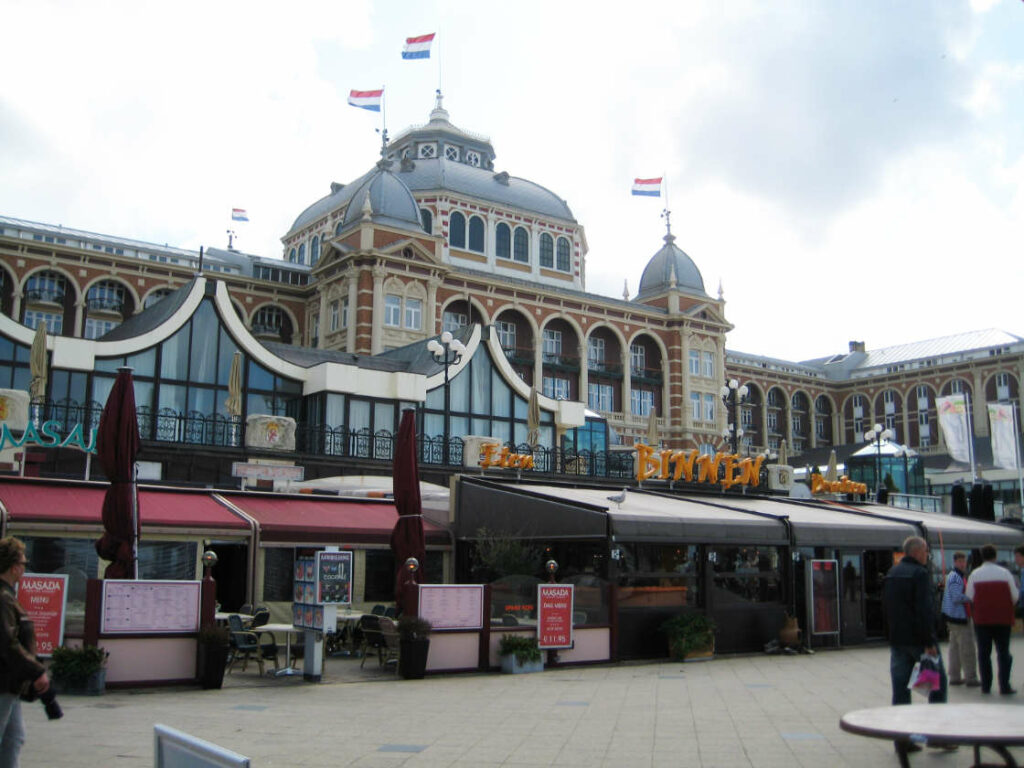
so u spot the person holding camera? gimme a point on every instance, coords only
(21, 672)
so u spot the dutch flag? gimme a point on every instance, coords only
(366, 99)
(417, 47)
(239, 214)
(647, 187)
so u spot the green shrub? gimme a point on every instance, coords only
(688, 632)
(413, 628)
(214, 634)
(523, 647)
(74, 666)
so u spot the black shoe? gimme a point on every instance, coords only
(986, 690)
(956, 682)
(1007, 691)
(973, 683)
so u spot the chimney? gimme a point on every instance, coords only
(856, 346)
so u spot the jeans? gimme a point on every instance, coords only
(12, 730)
(986, 635)
(902, 659)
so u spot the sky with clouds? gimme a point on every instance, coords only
(845, 170)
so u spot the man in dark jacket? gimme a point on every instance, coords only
(19, 667)
(910, 610)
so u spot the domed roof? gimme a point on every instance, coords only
(390, 201)
(670, 269)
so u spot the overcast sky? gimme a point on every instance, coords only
(846, 170)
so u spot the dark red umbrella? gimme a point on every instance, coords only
(117, 445)
(407, 538)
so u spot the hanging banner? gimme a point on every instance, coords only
(953, 421)
(44, 598)
(1004, 438)
(554, 615)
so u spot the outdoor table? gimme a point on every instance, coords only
(346, 623)
(996, 726)
(288, 629)
(222, 617)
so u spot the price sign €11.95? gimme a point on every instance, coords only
(554, 615)
(334, 577)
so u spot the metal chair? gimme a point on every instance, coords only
(391, 612)
(391, 648)
(260, 616)
(247, 645)
(373, 641)
(378, 610)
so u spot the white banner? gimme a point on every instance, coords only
(953, 420)
(1004, 438)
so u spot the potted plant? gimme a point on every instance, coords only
(413, 645)
(519, 653)
(79, 670)
(213, 647)
(691, 636)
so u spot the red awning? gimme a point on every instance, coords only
(326, 521)
(53, 502)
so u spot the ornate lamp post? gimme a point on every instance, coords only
(733, 395)
(877, 434)
(447, 352)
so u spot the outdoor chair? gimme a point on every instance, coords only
(260, 616)
(391, 612)
(378, 610)
(391, 647)
(373, 641)
(508, 620)
(246, 609)
(247, 645)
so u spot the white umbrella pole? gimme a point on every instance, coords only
(135, 526)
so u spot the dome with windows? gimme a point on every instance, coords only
(670, 269)
(390, 201)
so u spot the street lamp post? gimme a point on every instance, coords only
(447, 352)
(733, 395)
(877, 433)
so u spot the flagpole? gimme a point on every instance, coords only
(439, 73)
(1016, 453)
(970, 437)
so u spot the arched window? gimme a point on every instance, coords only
(476, 234)
(291, 255)
(521, 245)
(314, 250)
(337, 227)
(457, 230)
(106, 295)
(156, 296)
(428, 221)
(503, 242)
(547, 250)
(564, 262)
(302, 253)
(47, 287)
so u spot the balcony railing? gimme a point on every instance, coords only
(561, 362)
(649, 375)
(603, 368)
(105, 304)
(44, 295)
(519, 355)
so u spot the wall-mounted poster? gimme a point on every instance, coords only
(823, 593)
(453, 606)
(149, 606)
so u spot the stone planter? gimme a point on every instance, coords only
(510, 665)
(212, 661)
(412, 658)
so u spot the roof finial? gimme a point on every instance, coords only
(721, 291)
(625, 290)
(667, 216)
(439, 112)
(383, 143)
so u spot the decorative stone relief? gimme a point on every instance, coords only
(14, 409)
(274, 432)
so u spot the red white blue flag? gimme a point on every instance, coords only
(366, 99)
(417, 47)
(647, 187)
(239, 214)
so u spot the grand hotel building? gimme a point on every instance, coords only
(432, 238)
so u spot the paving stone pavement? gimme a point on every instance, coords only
(756, 710)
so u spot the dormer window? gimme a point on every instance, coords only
(473, 158)
(452, 153)
(427, 151)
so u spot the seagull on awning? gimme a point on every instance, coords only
(618, 498)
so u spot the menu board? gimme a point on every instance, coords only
(149, 606)
(453, 606)
(334, 577)
(44, 597)
(554, 615)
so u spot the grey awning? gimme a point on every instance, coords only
(524, 512)
(953, 532)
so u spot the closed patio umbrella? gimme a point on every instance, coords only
(783, 453)
(37, 364)
(832, 472)
(533, 419)
(233, 405)
(407, 539)
(652, 427)
(117, 445)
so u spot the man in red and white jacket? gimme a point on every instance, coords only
(993, 593)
